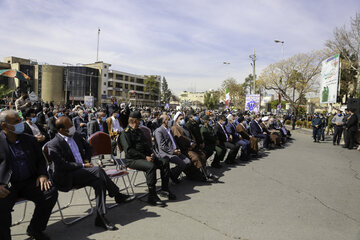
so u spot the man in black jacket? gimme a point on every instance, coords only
(351, 129)
(23, 175)
(71, 155)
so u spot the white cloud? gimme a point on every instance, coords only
(184, 40)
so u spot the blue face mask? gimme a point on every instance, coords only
(104, 119)
(196, 118)
(60, 114)
(117, 115)
(83, 115)
(19, 128)
(34, 119)
(182, 122)
(339, 114)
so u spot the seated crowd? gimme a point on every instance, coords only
(151, 140)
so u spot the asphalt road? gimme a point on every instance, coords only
(304, 191)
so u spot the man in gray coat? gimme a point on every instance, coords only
(165, 147)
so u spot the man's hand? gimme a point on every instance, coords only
(177, 152)
(40, 138)
(149, 158)
(44, 183)
(4, 192)
(88, 165)
(230, 138)
(82, 124)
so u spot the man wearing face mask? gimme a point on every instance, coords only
(80, 123)
(23, 174)
(51, 123)
(192, 125)
(71, 155)
(33, 128)
(316, 124)
(225, 139)
(114, 128)
(98, 124)
(338, 123)
(141, 157)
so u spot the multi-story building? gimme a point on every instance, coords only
(72, 83)
(191, 97)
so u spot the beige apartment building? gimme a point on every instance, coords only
(192, 97)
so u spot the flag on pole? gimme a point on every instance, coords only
(227, 97)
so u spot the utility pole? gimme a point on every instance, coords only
(97, 51)
(66, 84)
(91, 74)
(253, 58)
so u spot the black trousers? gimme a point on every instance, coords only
(150, 169)
(44, 203)
(220, 152)
(349, 139)
(266, 139)
(233, 151)
(337, 134)
(95, 177)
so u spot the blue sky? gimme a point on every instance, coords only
(186, 41)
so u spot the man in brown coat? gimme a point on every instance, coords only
(187, 145)
(240, 128)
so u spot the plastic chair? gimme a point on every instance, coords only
(100, 143)
(18, 202)
(45, 152)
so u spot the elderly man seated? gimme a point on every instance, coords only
(71, 155)
(141, 157)
(188, 146)
(23, 175)
(167, 148)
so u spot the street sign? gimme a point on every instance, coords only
(89, 101)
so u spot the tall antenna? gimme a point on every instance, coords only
(97, 51)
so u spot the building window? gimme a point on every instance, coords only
(140, 80)
(132, 79)
(110, 93)
(126, 86)
(111, 75)
(104, 74)
(132, 87)
(110, 84)
(118, 93)
(119, 77)
(126, 78)
(118, 85)
(104, 92)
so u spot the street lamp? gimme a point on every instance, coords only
(226, 63)
(282, 47)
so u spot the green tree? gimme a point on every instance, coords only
(293, 78)
(248, 83)
(237, 92)
(165, 92)
(152, 86)
(211, 99)
(347, 43)
(4, 91)
(275, 103)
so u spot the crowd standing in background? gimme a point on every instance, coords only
(151, 139)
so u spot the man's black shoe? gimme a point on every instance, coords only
(175, 180)
(123, 198)
(167, 194)
(155, 201)
(37, 235)
(101, 221)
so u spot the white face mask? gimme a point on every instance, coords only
(72, 131)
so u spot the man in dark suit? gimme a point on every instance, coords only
(98, 124)
(71, 155)
(80, 123)
(141, 157)
(225, 139)
(237, 138)
(258, 132)
(23, 175)
(51, 123)
(351, 129)
(33, 128)
(165, 147)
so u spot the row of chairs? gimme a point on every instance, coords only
(100, 143)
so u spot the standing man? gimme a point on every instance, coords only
(338, 123)
(23, 174)
(316, 124)
(351, 129)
